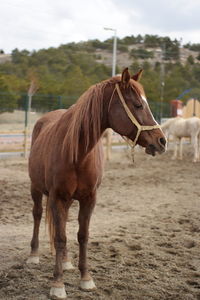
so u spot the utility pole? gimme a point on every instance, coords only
(114, 58)
(162, 80)
(31, 91)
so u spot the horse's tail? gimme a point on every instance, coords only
(49, 222)
(36, 131)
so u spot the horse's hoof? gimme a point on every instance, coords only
(67, 266)
(87, 285)
(58, 292)
(33, 260)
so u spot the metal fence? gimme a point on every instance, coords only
(15, 135)
(160, 110)
(16, 121)
(44, 103)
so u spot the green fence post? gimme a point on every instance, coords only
(60, 105)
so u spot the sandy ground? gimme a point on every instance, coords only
(144, 235)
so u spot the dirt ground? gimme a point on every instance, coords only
(144, 235)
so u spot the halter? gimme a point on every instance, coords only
(133, 119)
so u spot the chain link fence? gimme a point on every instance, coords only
(16, 123)
(14, 116)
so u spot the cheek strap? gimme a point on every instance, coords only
(133, 119)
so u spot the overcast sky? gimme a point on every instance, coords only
(37, 24)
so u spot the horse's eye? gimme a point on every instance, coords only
(138, 106)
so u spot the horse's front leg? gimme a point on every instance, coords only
(176, 145)
(85, 212)
(58, 209)
(181, 148)
(194, 141)
(198, 147)
(66, 261)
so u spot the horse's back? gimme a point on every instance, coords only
(193, 125)
(181, 127)
(193, 121)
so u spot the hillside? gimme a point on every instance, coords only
(62, 74)
(151, 48)
(5, 58)
(124, 59)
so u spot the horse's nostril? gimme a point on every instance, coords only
(162, 141)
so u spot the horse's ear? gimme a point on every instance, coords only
(125, 77)
(137, 76)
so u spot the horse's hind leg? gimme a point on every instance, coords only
(180, 149)
(37, 215)
(85, 212)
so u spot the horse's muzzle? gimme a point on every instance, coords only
(158, 147)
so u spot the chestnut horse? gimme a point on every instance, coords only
(66, 161)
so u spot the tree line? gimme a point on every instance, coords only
(64, 73)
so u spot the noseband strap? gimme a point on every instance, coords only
(133, 119)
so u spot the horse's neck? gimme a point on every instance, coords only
(84, 128)
(104, 122)
(178, 127)
(170, 123)
(167, 124)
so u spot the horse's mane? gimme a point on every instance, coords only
(85, 119)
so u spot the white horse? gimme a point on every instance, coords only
(179, 128)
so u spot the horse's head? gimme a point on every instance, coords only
(130, 116)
